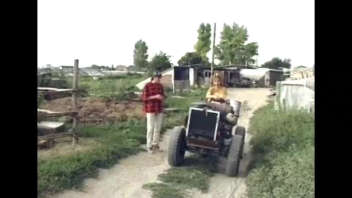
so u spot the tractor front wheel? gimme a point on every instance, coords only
(177, 146)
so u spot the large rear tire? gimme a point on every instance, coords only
(242, 132)
(177, 146)
(233, 158)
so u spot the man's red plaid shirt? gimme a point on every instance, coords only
(154, 105)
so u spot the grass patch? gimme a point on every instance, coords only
(174, 183)
(195, 95)
(110, 88)
(283, 147)
(178, 118)
(116, 141)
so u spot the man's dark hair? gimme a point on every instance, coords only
(156, 74)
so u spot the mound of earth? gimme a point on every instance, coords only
(98, 110)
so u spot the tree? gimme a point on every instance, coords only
(301, 66)
(202, 46)
(191, 58)
(277, 63)
(159, 62)
(140, 55)
(232, 48)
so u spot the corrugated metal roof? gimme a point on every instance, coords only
(92, 72)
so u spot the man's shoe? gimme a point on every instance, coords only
(150, 150)
(156, 148)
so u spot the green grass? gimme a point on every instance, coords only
(117, 141)
(109, 88)
(178, 118)
(283, 147)
(195, 173)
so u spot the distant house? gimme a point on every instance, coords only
(185, 77)
(301, 73)
(43, 71)
(121, 68)
(66, 69)
(91, 72)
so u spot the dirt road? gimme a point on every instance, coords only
(125, 180)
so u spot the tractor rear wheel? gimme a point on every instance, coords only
(233, 158)
(242, 132)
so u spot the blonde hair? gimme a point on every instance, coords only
(217, 77)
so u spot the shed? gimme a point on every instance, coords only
(272, 76)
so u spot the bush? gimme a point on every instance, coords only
(283, 147)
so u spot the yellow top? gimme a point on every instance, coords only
(217, 93)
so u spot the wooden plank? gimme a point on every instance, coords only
(49, 125)
(48, 113)
(74, 100)
(171, 109)
(51, 89)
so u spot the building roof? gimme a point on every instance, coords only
(91, 72)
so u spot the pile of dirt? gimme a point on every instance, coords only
(98, 110)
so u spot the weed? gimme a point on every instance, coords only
(283, 146)
(116, 141)
(194, 174)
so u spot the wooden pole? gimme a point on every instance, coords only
(74, 100)
(212, 61)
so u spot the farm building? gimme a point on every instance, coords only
(121, 68)
(232, 76)
(91, 72)
(300, 73)
(184, 77)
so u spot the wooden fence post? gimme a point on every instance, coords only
(74, 100)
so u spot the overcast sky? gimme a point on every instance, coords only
(104, 32)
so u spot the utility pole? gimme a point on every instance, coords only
(212, 60)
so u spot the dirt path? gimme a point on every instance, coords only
(125, 180)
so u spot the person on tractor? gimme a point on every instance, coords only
(217, 99)
(217, 92)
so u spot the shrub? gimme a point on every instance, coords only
(283, 147)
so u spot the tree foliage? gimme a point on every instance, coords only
(277, 63)
(159, 62)
(140, 55)
(191, 58)
(202, 46)
(232, 49)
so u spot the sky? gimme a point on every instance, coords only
(104, 32)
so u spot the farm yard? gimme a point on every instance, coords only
(109, 156)
(238, 99)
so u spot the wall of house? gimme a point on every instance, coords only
(271, 77)
(191, 76)
(295, 94)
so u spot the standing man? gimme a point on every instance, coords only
(153, 98)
